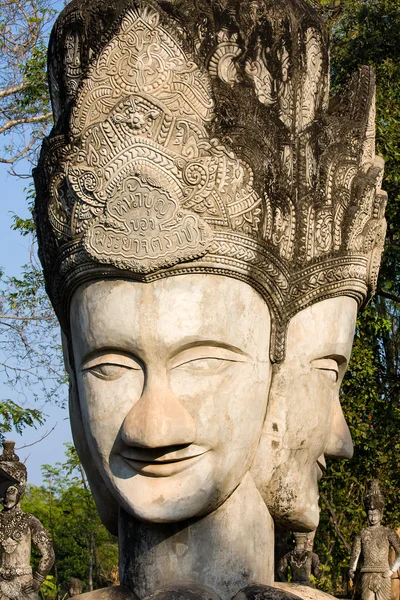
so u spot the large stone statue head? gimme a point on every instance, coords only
(208, 227)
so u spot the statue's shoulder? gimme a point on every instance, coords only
(115, 592)
(35, 525)
(391, 533)
(303, 591)
(31, 519)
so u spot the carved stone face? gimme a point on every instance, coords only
(173, 379)
(300, 547)
(374, 516)
(11, 497)
(74, 587)
(304, 421)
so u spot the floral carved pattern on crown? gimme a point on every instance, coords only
(187, 147)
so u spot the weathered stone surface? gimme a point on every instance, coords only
(187, 384)
(304, 421)
(303, 591)
(115, 592)
(227, 549)
(208, 227)
(17, 532)
(188, 591)
(265, 592)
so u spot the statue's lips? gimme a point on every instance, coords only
(163, 466)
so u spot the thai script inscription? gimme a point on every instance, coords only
(144, 228)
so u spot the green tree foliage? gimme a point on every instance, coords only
(84, 549)
(30, 351)
(26, 359)
(24, 101)
(30, 361)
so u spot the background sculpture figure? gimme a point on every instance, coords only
(303, 562)
(208, 227)
(374, 543)
(17, 532)
(74, 587)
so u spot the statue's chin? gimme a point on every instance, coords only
(292, 496)
(298, 520)
(189, 494)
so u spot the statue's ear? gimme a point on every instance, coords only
(105, 502)
(67, 354)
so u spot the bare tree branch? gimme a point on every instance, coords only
(35, 318)
(23, 152)
(12, 90)
(335, 522)
(14, 122)
(44, 436)
(388, 296)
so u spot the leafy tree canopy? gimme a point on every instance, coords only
(83, 547)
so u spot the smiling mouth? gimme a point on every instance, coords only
(163, 466)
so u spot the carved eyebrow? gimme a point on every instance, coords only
(209, 343)
(338, 358)
(99, 352)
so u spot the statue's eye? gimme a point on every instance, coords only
(108, 371)
(207, 359)
(110, 366)
(328, 366)
(205, 365)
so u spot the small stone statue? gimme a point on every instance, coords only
(74, 587)
(374, 543)
(302, 560)
(17, 531)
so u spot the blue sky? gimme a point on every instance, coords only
(14, 252)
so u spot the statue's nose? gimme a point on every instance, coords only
(340, 444)
(158, 419)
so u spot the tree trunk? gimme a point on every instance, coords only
(91, 560)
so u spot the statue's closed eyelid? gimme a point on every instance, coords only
(114, 359)
(198, 354)
(334, 365)
(335, 361)
(218, 361)
(325, 364)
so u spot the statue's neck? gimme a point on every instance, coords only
(227, 550)
(9, 512)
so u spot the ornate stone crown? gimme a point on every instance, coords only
(12, 471)
(300, 537)
(196, 137)
(374, 498)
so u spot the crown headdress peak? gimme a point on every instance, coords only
(199, 138)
